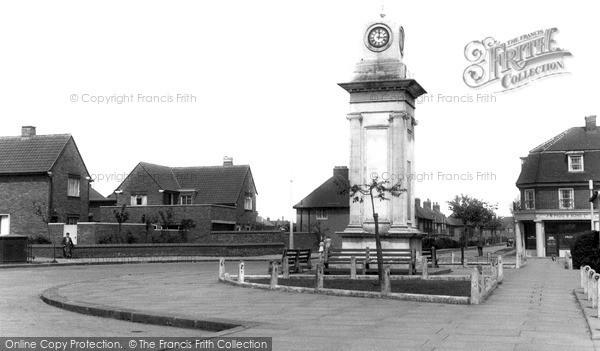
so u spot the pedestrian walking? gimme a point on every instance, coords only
(67, 246)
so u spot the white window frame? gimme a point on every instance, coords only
(529, 204)
(4, 218)
(561, 199)
(321, 214)
(73, 186)
(248, 203)
(186, 196)
(571, 157)
(136, 196)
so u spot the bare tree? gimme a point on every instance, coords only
(376, 189)
(121, 215)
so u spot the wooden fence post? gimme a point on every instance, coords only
(274, 275)
(241, 272)
(475, 287)
(221, 268)
(319, 277)
(386, 287)
(352, 267)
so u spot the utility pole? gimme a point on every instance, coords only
(291, 218)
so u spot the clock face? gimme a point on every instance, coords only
(379, 37)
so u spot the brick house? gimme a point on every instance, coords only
(326, 206)
(554, 191)
(430, 220)
(97, 201)
(42, 179)
(223, 195)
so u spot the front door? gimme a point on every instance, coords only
(551, 245)
(72, 230)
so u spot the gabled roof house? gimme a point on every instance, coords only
(42, 179)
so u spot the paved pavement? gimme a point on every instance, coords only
(534, 309)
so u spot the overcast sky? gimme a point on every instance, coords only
(264, 76)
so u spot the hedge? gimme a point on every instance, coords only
(584, 250)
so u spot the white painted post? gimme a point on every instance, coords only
(481, 278)
(286, 267)
(353, 267)
(221, 268)
(274, 275)
(489, 257)
(518, 261)
(595, 290)
(386, 287)
(581, 275)
(452, 258)
(586, 269)
(425, 273)
(475, 287)
(500, 269)
(241, 272)
(319, 277)
(590, 288)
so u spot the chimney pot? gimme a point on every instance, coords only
(227, 161)
(27, 131)
(418, 201)
(590, 123)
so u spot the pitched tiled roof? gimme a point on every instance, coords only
(97, 197)
(35, 154)
(213, 185)
(328, 195)
(424, 212)
(451, 220)
(548, 163)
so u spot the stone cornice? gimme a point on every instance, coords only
(410, 85)
(354, 115)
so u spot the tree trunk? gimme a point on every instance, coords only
(379, 250)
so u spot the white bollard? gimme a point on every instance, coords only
(221, 268)
(424, 272)
(286, 267)
(590, 289)
(595, 290)
(452, 257)
(241, 272)
(274, 275)
(475, 296)
(319, 277)
(353, 267)
(586, 269)
(500, 269)
(386, 288)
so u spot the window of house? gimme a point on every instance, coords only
(321, 214)
(73, 186)
(139, 200)
(565, 198)
(575, 163)
(248, 202)
(4, 224)
(529, 199)
(185, 200)
(71, 220)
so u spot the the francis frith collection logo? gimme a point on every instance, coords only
(516, 62)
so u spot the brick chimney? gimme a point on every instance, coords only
(427, 204)
(227, 161)
(417, 202)
(27, 131)
(341, 170)
(436, 207)
(590, 124)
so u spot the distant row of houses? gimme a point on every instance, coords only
(44, 179)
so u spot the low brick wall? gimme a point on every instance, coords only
(157, 250)
(302, 240)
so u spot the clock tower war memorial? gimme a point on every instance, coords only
(382, 134)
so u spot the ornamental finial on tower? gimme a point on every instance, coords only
(382, 14)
